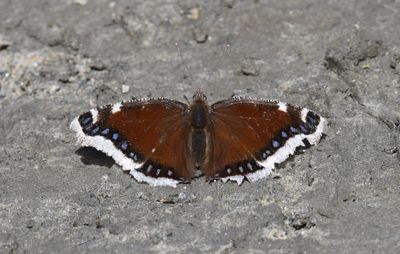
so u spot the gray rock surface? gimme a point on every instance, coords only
(60, 58)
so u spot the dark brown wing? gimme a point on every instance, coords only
(147, 137)
(250, 136)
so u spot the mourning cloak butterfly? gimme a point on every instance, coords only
(163, 142)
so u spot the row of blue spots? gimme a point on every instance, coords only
(133, 156)
(275, 144)
(266, 153)
(243, 168)
(114, 137)
(152, 170)
(86, 122)
(124, 146)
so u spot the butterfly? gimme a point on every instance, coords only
(163, 142)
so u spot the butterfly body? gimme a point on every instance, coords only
(163, 142)
(199, 138)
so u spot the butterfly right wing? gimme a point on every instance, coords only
(250, 136)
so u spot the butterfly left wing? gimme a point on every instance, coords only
(251, 136)
(146, 137)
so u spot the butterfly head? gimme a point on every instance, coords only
(199, 96)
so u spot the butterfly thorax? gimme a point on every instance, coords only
(198, 114)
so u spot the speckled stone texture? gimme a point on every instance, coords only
(61, 58)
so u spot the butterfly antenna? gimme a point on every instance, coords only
(186, 73)
(186, 98)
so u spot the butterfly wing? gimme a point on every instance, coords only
(146, 137)
(250, 136)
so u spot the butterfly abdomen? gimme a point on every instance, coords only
(198, 147)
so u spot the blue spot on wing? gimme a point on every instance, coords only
(275, 144)
(124, 145)
(115, 136)
(105, 131)
(95, 130)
